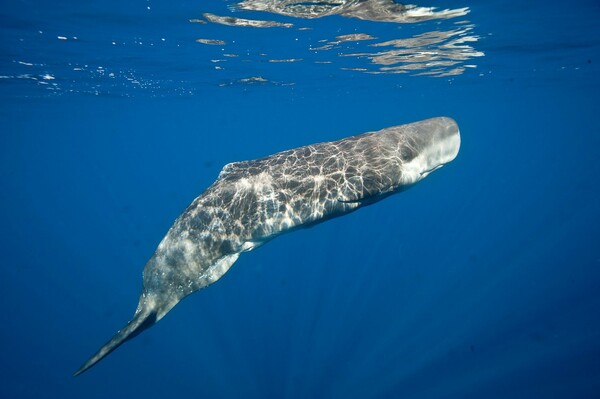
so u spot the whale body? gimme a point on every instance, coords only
(252, 202)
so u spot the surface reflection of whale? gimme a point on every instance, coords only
(252, 202)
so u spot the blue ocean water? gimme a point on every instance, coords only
(481, 281)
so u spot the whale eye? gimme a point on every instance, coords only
(407, 154)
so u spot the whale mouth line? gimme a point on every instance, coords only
(428, 171)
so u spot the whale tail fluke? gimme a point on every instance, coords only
(142, 320)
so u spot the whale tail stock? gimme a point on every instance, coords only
(143, 319)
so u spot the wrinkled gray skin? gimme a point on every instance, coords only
(252, 202)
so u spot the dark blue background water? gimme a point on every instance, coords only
(482, 281)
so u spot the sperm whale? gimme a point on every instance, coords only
(252, 202)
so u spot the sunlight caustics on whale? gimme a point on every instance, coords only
(252, 202)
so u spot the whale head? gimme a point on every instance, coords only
(426, 147)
